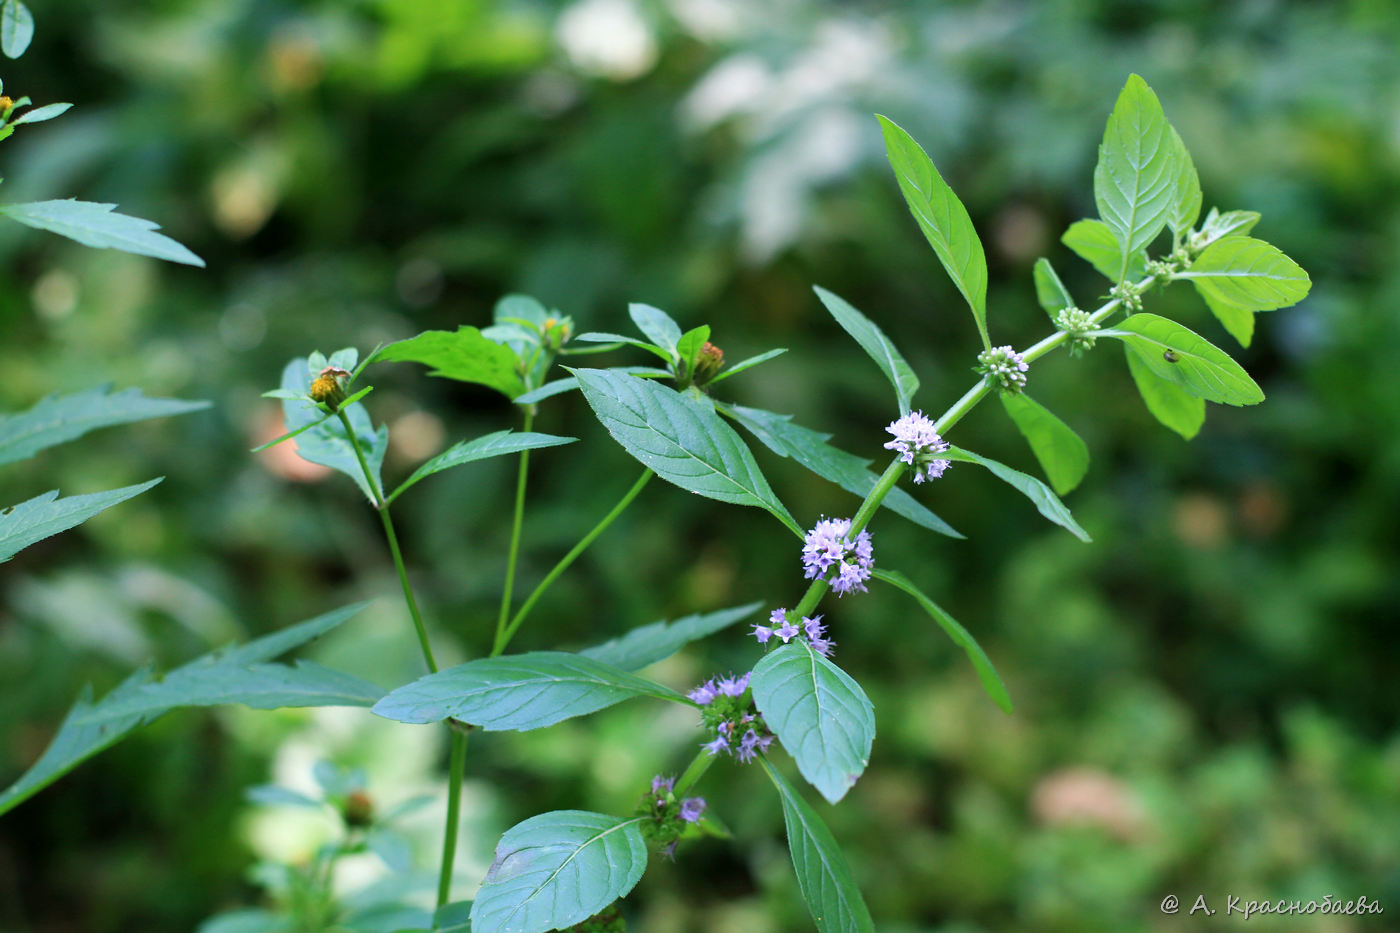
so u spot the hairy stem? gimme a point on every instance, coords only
(503, 637)
(516, 522)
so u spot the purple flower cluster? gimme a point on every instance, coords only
(828, 546)
(669, 816)
(917, 443)
(738, 732)
(730, 686)
(780, 626)
(1003, 367)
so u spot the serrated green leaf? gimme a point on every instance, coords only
(681, 438)
(810, 448)
(823, 875)
(1218, 225)
(99, 226)
(657, 326)
(874, 342)
(986, 672)
(942, 218)
(558, 869)
(1044, 498)
(1092, 241)
(748, 364)
(40, 114)
(16, 28)
(323, 440)
(57, 419)
(1181, 356)
(1248, 274)
(495, 444)
(464, 355)
(1134, 180)
(1170, 404)
(1049, 290)
(1062, 454)
(1186, 188)
(46, 515)
(819, 713)
(648, 644)
(518, 692)
(689, 346)
(79, 737)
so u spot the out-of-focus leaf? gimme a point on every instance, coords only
(16, 28)
(874, 342)
(495, 444)
(100, 226)
(46, 515)
(40, 114)
(56, 419)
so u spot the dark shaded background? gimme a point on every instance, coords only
(1206, 695)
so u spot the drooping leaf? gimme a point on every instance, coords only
(495, 444)
(46, 515)
(81, 736)
(851, 473)
(1248, 274)
(819, 713)
(874, 342)
(56, 419)
(681, 438)
(1218, 225)
(1134, 180)
(648, 644)
(689, 346)
(40, 114)
(1045, 500)
(991, 680)
(1181, 356)
(323, 440)
(1170, 404)
(16, 28)
(1062, 454)
(100, 226)
(657, 326)
(1049, 290)
(748, 364)
(1186, 189)
(942, 218)
(558, 869)
(823, 875)
(465, 355)
(518, 692)
(1092, 241)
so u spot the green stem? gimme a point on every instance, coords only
(503, 637)
(516, 522)
(382, 508)
(696, 770)
(454, 811)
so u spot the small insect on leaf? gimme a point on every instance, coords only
(1171, 356)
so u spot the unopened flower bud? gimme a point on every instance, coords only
(1003, 367)
(708, 363)
(329, 387)
(358, 810)
(6, 103)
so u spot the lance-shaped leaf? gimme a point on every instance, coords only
(465, 355)
(823, 875)
(1092, 241)
(1049, 290)
(323, 440)
(40, 114)
(569, 383)
(681, 438)
(85, 731)
(821, 715)
(809, 448)
(942, 218)
(46, 515)
(1186, 189)
(1183, 357)
(991, 680)
(56, 419)
(1046, 502)
(749, 363)
(518, 692)
(16, 28)
(558, 869)
(657, 326)
(1248, 274)
(1170, 404)
(1218, 225)
(1134, 180)
(495, 444)
(99, 226)
(648, 644)
(1062, 454)
(874, 342)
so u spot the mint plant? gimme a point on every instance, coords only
(566, 869)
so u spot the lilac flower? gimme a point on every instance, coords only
(934, 470)
(732, 686)
(691, 808)
(661, 785)
(1003, 367)
(762, 633)
(812, 627)
(787, 631)
(828, 545)
(822, 646)
(705, 693)
(716, 745)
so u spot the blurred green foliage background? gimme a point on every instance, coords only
(1206, 695)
